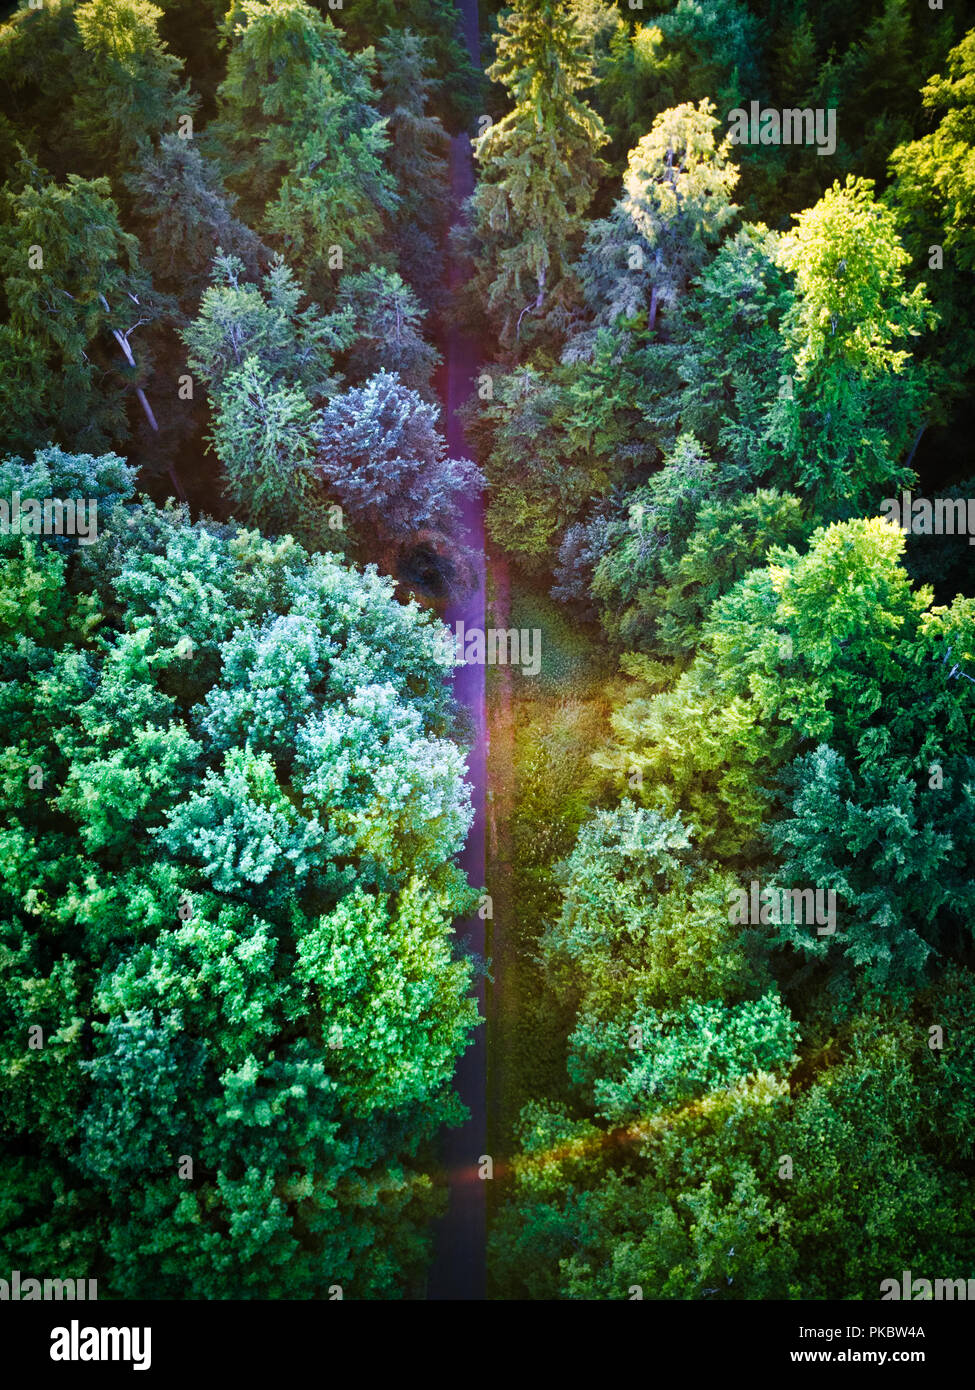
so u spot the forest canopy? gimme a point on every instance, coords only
(644, 329)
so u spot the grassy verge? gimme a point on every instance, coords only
(542, 731)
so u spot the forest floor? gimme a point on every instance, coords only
(541, 731)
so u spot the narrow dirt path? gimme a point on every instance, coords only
(458, 1270)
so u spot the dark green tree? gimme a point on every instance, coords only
(417, 156)
(301, 139)
(538, 173)
(75, 293)
(184, 216)
(388, 321)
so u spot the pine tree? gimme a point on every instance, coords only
(417, 156)
(728, 347)
(88, 85)
(381, 454)
(184, 215)
(76, 293)
(459, 88)
(388, 321)
(238, 319)
(263, 435)
(302, 141)
(539, 170)
(130, 92)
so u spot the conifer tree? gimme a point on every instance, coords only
(184, 215)
(539, 170)
(853, 397)
(88, 85)
(417, 156)
(381, 454)
(239, 319)
(130, 92)
(675, 207)
(388, 321)
(263, 435)
(301, 138)
(75, 292)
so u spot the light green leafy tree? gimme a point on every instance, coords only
(855, 397)
(932, 196)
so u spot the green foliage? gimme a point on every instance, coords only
(692, 51)
(950, 1127)
(856, 398)
(73, 287)
(130, 94)
(238, 319)
(458, 90)
(728, 346)
(388, 320)
(90, 85)
(301, 139)
(679, 1205)
(863, 1117)
(656, 561)
(658, 1059)
(833, 647)
(553, 441)
(675, 206)
(660, 515)
(104, 479)
(227, 904)
(932, 198)
(266, 364)
(892, 850)
(729, 539)
(641, 919)
(184, 215)
(539, 169)
(263, 436)
(417, 155)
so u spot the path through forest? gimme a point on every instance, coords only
(458, 1270)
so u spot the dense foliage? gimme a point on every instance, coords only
(231, 803)
(693, 454)
(235, 280)
(233, 777)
